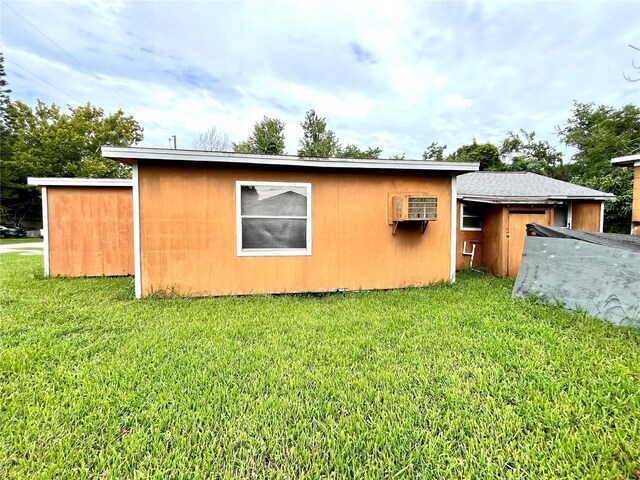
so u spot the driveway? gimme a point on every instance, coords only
(25, 248)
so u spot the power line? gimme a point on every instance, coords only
(63, 50)
(43, 80)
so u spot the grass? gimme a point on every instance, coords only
(443, 382)
(10, 241)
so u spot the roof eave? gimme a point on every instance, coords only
(79, 182)
(128, 154)
(626, 161)
(554, 200)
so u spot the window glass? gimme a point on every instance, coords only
(471, 217)
(274, 217)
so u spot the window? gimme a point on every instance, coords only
(273, 218)
(471, 217)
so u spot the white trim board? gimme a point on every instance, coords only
(137, 266)
(454, 223)
(601, 217)
(79, 182)
(45, 229)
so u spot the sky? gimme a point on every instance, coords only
(395, 75)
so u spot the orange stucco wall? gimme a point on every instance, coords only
(188, 233)
(90, 231)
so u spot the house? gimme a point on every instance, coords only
(87, 226)
(216, 223)
(495, 207)
(632, 161)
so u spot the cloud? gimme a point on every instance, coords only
(396, 77)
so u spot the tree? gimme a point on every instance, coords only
(520, 152)
(617, 213)
(486, 154)
(4, 97)
(267, 138)
(317, 140)
(434, 152)
(212, 140)
(46, 142)
(351, 151)
(598, 134)
(636, 76)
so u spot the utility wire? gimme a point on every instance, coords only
(65, 52)
(43, 80)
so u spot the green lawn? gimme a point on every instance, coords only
(443, 382)
(8, 241)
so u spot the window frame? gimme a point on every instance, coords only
(462, 217)
(271, 252)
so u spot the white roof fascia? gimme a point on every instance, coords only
(136, 153)
(626, 161)
(536, 200)
(79, 182)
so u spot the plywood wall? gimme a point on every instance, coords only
(586, 216)
(188, 233)
(90, 231)
(472, 238)
(494, 228)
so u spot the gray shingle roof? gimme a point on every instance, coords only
(499, 187)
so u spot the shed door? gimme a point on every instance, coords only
(516, 231)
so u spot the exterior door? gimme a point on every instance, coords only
(517, 230)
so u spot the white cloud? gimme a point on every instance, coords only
(396, 76)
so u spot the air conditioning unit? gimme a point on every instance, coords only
(408, 208)
(414, 208)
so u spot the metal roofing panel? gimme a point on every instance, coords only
(126, 154)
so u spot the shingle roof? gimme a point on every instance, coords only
(501, 187)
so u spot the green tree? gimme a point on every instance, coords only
(46, 142)
(434, 152)
(351, 151)
(617, 213)
(317, 140)
(599, 134)
(520, 152)
(486, 154)
(4, 97)
(267, 138)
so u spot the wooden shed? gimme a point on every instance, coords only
(495, 207)
(215, 223)
(87, 226)
(632, 161)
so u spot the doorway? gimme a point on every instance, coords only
(517, 230)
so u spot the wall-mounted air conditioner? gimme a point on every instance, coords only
(413, 208)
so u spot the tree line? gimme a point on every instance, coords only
(47, 141)
(267, 138)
